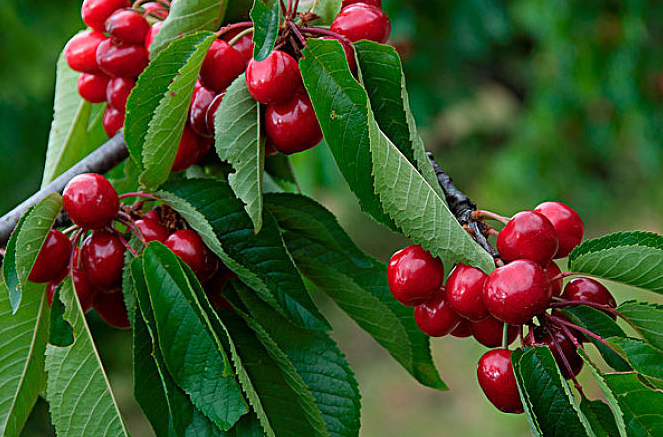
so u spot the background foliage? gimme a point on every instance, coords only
(521, 101)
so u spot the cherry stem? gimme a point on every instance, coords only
(289, 13)
(3, 252)
(73, 260)
(521, 336)
(295, 7)
(505, 336)
(317, 30)
(598, 306)
(559, 321)
(489, 215)
(564, 275)
(133, 230)
(297, 33)
(138, 194)
(530, 334)
(315, 5)
(70, 229)
(239, 25)
(126, 245)
(240, 35)
(284, 10)
(565, 361)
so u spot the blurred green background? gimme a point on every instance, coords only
(521, 101)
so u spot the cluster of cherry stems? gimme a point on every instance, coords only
(114, 51)
(494, 308)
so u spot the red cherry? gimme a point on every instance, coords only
(498, 382)
(153, 215)
(464, 329)
(375, 3)
(273, 80)
(81, 51)
(269, 149)
(552, 271)
(188, 151)
(191, 249)
(292, 126)
(151, 34)
(528, 235)
(222, 65)
(84, 289)
(349, 53)
(245, 47)
(568, 350)
(53, 258)
(155, 9)
(121, 60)
(436, 318)
(362, 21)
(152, 230)
(112, 121)
(102, 257)
(200, 103)
(568, 225)
(489, 332)
(214, 288)
(118, 90)
(414, 276)
(211, 111)
(464, 292)
(90, 201)
(588, 290)
(92, 87)
(51, 288)
(96, 12)
(127, 26)
(517, 292)
(111, 309)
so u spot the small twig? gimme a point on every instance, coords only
(489, 215)
(565, 361)
(289, 13)
(319, 31)
(138, 194)
(598, 306)
(505, 336)
(133, 230)
(297, 33)
(230, 27)
(240, 35)
(557, 321)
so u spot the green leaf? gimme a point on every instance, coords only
(357, 282)
(317, 360)
(260, 260)
(193, 354)
(266, 17)
(78, 392)
(327, 10)
(61, 332)
(238, 141)
(545, 390)
(644, 359)
(76, 128)
(599, 417)
(158, 106)
(647, 320)
(634, 258)
(22, 346)
(187, 17)
(9, 270)
(282, 173)
(342, 107)
(383, 78)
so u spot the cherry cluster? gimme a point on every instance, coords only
(527, 285)
(103, 224)
(113, 52)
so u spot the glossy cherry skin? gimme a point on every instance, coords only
(588, 290)
(90, 201)
(528, 235)
(375, 3)
(112, 121)
(362, 21)
(552, 271)
(568, 225)
(121, 60)
(51, 288)
(96, 12)
(111, 309)
(211, 111)
(273, 80)
(489, 332)
(200, 103)
(53, 258)
(292, 126)
(498, 382)
(92, 87)
(127, 26)
(155, 9)
(436, 318)
(465, 290)
(414, 276)
(152, 230)
(102, 258)
(149, 38)
(517, 292)
(566, 348)
(188, 151)
(85, 291)
(191, 249)
(463, 330)
(81, 51)
(118, 90)
(221, 66)
(245, 47)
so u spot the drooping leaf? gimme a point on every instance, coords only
(644, 358)
(22, 346)
(187, 17)
(327, 10)
(634, 258)
(158, 106)
(647, 319)
(318, 361)
(280, 169)
(238, 141)
(599, 417)
(78, 392)
(193, 354)
(260, 260)
(76, 128)
(9, 270)
(357, 282)
(266, 16)
(545, 390)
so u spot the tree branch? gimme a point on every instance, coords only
(107, 156)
